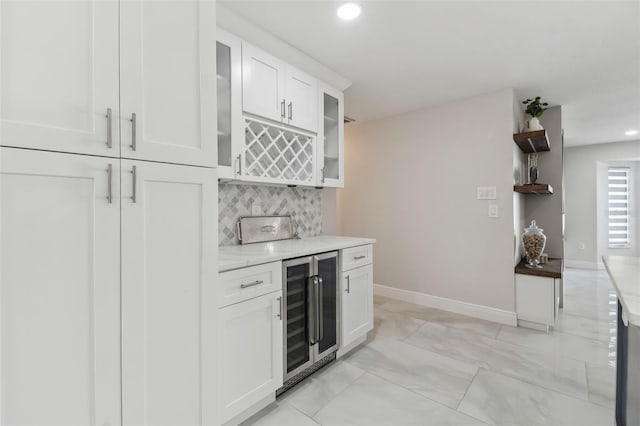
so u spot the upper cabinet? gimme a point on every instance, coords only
(263, 84)
(301, 98)
(276, 124)
(68, 66)
(331, 137)
(229, 85)
(277, 91)
(167, 82)
(59, 76)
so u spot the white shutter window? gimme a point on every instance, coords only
(618, 207)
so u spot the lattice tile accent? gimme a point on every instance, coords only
(234, 200)
(277, 153)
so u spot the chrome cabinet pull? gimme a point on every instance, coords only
(134, 126)
(279, 307)
(134, 173)
(257, 282)
(109, 183)
(282, 106)
(109, 128)
(311, 318)
(322, 174)
(359, 257)
(290, 111)
(348, 289)
(320, 310)
(239, 165)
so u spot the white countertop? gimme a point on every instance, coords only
(625, 275)
(234, 257)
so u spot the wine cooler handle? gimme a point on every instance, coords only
(311, 315)
(320, 308)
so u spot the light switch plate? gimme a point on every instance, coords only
(486, 193)
(493, 210)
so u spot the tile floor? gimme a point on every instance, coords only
(423, 366)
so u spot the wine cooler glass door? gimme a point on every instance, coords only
(297, 354)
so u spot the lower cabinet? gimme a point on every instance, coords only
(537, 300)
(357, 304)
(60, 286)
(250, 353)
(108, 312)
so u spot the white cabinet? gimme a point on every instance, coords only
(357, 294)
(301, 99)
(263, 83)
(277, 91)
(357, 303)
(59, 76)
(537, 300)
(330, 152)
(60, 286)
(68, 66)
(250, 345)
(168, 82)
(169, 243)
(230, 124)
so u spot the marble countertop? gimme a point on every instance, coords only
(625, 275)
(234, 257)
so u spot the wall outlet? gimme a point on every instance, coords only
(580, 245)
(486, 193)
(493, 210)
(256, 209)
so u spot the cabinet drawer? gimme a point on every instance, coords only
(247, 283)
(357, 256)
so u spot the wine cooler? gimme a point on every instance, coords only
(310, 289)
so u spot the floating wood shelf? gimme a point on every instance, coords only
(536, 188)
(551, 269)
(530, 142)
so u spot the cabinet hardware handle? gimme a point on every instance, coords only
(280, 307)
(311, 317)
(322, 174)
(134, 125)
(109, 128)
(109, 183)
(282, 112)
(239, 163)
(290, 111)
(134, 173)
(257, 282)
(320, 310)
(359, 257)
(348, 290)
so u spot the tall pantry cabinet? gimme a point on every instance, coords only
(108, 207)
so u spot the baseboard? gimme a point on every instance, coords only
(469, 309)
(583, 264)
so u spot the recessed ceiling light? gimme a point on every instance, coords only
(631, 132)
(349, 11)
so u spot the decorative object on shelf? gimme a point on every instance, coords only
(533, 242)
(532, 166)
(535, 108)
(544, 258)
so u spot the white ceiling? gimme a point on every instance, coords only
(407, 55)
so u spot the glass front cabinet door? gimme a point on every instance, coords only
(330, 150)
(229, 84)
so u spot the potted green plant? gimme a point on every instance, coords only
(535, 108)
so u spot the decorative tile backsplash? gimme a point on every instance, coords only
(234, 200)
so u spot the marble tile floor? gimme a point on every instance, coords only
(423, 366)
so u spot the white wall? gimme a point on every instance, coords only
(410, 182)
(581, 196)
